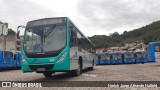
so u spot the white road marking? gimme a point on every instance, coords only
(90, 75)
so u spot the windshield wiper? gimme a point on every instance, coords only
(49, 31)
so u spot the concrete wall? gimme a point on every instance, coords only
(11, 43)
(1, 42)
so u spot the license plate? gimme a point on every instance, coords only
(40, 69)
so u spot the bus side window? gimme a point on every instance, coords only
(73, 36)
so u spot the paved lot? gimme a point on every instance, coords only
(130, 72)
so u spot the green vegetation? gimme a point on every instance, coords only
(6, 24)
(146, 33)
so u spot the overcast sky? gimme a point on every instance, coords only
(93, 17)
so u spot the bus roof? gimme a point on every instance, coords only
(47, 18)
(59, 20)
(154, 43)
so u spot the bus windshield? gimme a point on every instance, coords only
(117, 57)
(46, 38)
(141, 55)
(107, 56)
(7, 54)
(129, 56)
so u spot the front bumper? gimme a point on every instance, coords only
(48, 67)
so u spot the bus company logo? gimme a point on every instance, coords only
(6, 84)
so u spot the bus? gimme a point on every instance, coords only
(116, 58)
(129, 58)
(6, 60)
(1, 60)
(103, 58)
(141, 57)
(107, 58)
(154, 52)
(56, 45)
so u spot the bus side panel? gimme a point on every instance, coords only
(62, 65)
(154, 52)
(151, 55)
(74, 57)
(90, 59)
(1, 60)
(156, 49)
(157, 56)
(75, 53)
(18, 60)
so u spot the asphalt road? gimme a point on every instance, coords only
(129, 72)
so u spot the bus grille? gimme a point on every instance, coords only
(47, 67)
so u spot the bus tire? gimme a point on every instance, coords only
(78, 71)
(47, 74)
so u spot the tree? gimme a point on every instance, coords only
(6, 24)
(114, 34)
(125, 32)
(148, 33)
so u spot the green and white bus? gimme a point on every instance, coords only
(56, 45)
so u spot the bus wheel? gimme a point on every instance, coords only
(47, 74)
(78, 71)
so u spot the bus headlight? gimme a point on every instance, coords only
(23, 60)
(62, 57)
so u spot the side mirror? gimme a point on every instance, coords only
(18, 36)
(71, 30)
(72, 36)
(18, 31)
